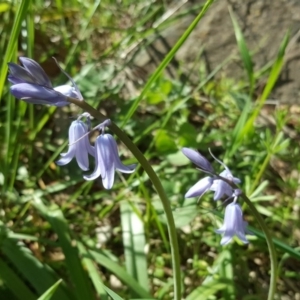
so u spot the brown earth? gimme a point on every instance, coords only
(264, 24)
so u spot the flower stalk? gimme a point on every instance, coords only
(156, 183)
(268, 237)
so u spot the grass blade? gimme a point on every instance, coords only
(275, 72)
(49, 293)
(13, 41)
(77, 274)
(167, 60)
(245, 54)
(120, 273)
(93, 272)
(39, 275)
(112, 294)
(14, 283)
(134, 245)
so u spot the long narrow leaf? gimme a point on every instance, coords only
(39, 275)
(275, 72)
(134, 245)
(112, 294)
(15, 283)
(93, 272)
(167, 60)
(245, 54)
(50, 292)
(79, 278)
(120, 273)
(13, 41)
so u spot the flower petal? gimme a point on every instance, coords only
(198, 159)
(221, 188)
(106, 149)
(30, 91)
(36, 71)
(199, 188)
(98, 164)
(66, 157)
(118, 164)
(233, 224)
(68, 91)
(19, 74)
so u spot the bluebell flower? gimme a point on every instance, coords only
(234, 224)
(209, 183)
(222, 188)
(198, 160)
(31, 84)
(107, 161)
(79, 146)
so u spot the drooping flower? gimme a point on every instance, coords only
(198, 160)
(79, 146)
(222, 188)
(212, 183)
(234, 224)
(31, 84)
(107, 161)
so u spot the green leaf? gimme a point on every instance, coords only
(115, 268)
(93, 272)
(13, 41)
(49, 293)
(167, 60)
(134, 245)
(112, 294)
(274, 74)
(204, 291)
(245, 54)
(164, 143)
(79, 278)
(226, 271)
(14, 282)
(184, 215)
(39, 275)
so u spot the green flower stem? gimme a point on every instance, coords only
(268, 237)
(272, 250)
(157, 184)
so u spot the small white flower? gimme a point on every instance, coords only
(79, 146)
(234, 224)
(107, 161)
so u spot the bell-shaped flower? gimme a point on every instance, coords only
(222, 188)
(198, 160)
(107, 161)
(31, 84)
(234, 224)
(79, 146)
(213, 183)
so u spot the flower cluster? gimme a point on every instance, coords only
(105, 152)
(219, 184)
(31, 84)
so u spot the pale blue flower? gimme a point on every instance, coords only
(198, 160)
(222, 188)
(107, 161)
(31, 84)
(209, 183)
(79, 146)
(234, 224)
